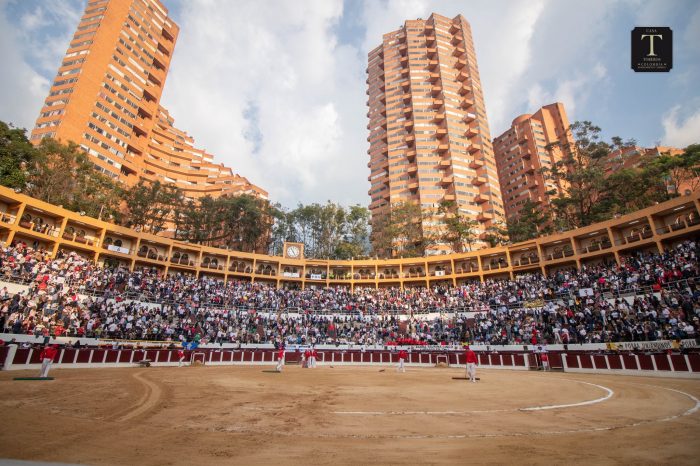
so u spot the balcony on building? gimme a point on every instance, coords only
(478, 180)
(9, 208)
(469, 117)
(592, 242)
(81, 233)
(634, 231)
(458, 52)
(467, 266)
(240, 267)
(117, 244)
(41, 222)
(467, 103)
(484, 216)
(266, 268)
(683, 217)
(476, 164)
(213, 262)
(152, 251)
(558, 249)
(525, 256)
(494, 262)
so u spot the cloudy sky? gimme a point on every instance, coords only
(276, 88)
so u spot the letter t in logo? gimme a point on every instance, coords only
(651, 43)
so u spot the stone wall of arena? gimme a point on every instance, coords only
(54, 228)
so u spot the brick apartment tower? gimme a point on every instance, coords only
(428, 132)
(106, 99)
(522, 151)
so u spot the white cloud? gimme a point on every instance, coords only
(31, 52)
(680, 132)
(573, 92)
(307, 135)
(23, 89)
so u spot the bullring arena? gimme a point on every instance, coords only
(354, 408)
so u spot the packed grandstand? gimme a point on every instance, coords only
(646, 297)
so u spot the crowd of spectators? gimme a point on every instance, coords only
(646, 297)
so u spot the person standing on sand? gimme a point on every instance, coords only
(471, 363)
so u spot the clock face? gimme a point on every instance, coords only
(293, 252)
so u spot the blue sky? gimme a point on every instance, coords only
(276, 89)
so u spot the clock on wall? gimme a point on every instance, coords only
(293, 250)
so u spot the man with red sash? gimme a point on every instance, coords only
(402, 357)
(471, 363)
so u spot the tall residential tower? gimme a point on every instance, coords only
(428, 132)
(524, 150)
(106, 98)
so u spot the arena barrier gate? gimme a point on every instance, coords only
(658, 364)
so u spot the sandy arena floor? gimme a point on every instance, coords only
(346, 415)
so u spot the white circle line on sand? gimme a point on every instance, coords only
(609, 391)
(609, 394)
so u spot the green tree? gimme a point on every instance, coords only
(355, 241)
(400, 232)
(680, 171)
(150, 205)
(496, 234)
(581, 174)
(531, 222)
(243, 222)
(17, 156)
(458, 229)
(63, 175)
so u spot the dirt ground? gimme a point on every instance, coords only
(346, 415)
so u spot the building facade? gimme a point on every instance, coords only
(54, 229)
(106, 98)
(524, 150)
(429, 138)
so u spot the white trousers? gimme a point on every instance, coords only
(45, 366)
(280, 364)
(312, 362)
(471, 371)
(401, 368)
(179, 364)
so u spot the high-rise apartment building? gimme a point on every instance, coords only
(524, 150)
(428, 132)
(106, 98)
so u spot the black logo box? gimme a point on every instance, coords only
(652, 49)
